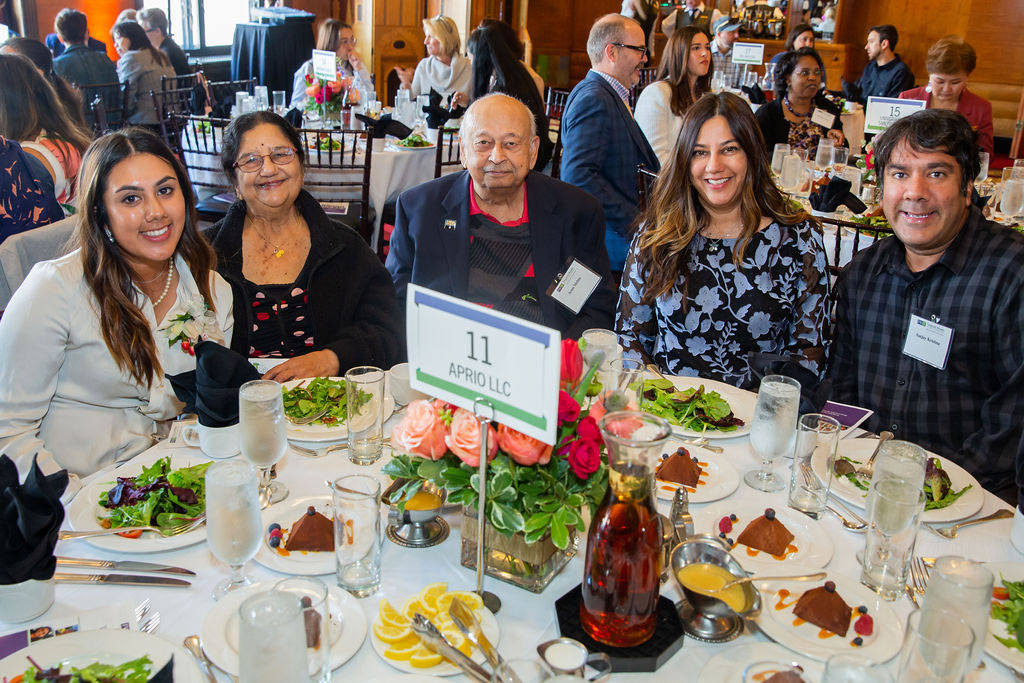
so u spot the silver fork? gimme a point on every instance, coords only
(307, 420)
(318, 452)
(951, 531)
(918, 575)
(182, 527)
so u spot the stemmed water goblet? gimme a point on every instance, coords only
(263, 429)
(773, 429)
(233, 526)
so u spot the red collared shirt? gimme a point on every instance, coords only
(475, 209)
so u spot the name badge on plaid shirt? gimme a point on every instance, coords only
(928, 341)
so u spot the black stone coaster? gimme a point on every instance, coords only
(646, 657)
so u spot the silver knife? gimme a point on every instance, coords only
(123, 579)
(123, 566)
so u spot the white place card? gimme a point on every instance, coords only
(882, 112)
(459, 352)
(748, 53)
(325, 64)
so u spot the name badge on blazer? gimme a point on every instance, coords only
(823, 118)
(574, 286)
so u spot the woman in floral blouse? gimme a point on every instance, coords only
(724, 267)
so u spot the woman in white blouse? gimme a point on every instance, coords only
(444, 69)
(87, 339)
(684, 74)
(339, 38)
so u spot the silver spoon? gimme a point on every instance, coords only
(191, 644)
(747, 579)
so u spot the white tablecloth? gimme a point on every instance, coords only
(526, 619)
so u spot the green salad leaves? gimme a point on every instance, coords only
(938, 488)
(158, 496)
(695, 409)
(303, 402)
(1011, 611)
(135, 671)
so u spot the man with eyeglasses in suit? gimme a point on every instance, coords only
(602, 143)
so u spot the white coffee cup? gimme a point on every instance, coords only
(25, 600)
(400, 389)
(216, 442)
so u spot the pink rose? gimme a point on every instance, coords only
(568, 408)
(588, 430)
(584, 458)
(464, 438)
(421, 431)
(524, 449)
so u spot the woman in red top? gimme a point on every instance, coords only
(950, 61)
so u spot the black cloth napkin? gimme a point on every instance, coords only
(294, 117)
(165, 674)
(835, 194)
(754, 93)
(385, 125)
(438, 114)
(30, 515)
(813, 393)
(211, 390)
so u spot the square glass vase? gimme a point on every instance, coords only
(511, 559)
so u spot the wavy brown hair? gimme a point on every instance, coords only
(674, 214)
(125, 328)
(674, 68)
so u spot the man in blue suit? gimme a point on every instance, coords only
(502, 236)
(602, 144)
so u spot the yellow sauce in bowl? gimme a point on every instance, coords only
(705, 578)
(423, 500)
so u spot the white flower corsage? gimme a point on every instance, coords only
(193, 323)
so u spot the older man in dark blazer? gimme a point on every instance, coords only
(602, 144)
(503, 236)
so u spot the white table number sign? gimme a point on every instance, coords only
(882, 112)
(459, 351)
(748, 53)
(325, 64)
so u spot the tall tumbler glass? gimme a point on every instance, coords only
(271, 639)
(773, 429)
(357, 533)
(900, 461)
(816, 434)
(792, 168)
(606, 343)
(963, 587)
(1011, 202)
(778, 154)
(233, 526)
(839, 157)
(854, 668)
(364, 395)
(983, 159)
(893, 520)
(629, 383)
(936, 647)
(314, 602)
(262, 97)
(264, 433)
(280, 102)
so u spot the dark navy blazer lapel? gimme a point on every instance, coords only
(454, 243)
(650, 159)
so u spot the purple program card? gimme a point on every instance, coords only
(848, 416)
(12, 642)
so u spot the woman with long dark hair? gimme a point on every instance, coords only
(141, 66)
(40, 55)
(724, 267)
(31, 114)
(497, 68)
(87, 339)
(684, 74)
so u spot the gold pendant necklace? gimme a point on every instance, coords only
(278, 251)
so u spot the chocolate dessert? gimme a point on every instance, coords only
(823, 607)
(312, 531)
(679, 468)
(784, 677)
(766, 533)
(312, 622)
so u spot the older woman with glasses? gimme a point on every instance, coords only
(305, 288)
(799, 115)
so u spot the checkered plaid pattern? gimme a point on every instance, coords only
(724, 65)
(973, 411)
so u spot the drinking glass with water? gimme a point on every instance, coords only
(773, 429)
(357, 533)
(264, 433)
(233, 527)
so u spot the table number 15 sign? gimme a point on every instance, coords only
(459, 351)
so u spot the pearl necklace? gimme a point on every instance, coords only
(167, 284)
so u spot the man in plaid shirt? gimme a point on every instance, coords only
(930, 324)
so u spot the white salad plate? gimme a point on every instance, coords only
(488, 624)
(300, 563)
(762, 658)
(813, 545)
(741, 401)
(321, 432)
(85, 509)
(1011, 571)
(105, 646)
(220, 627)
(779, 624)
(859, 450)
(718, 478)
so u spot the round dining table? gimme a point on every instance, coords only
(526, 619)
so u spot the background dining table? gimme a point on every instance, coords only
(526, 619)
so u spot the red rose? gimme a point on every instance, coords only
(572, 363)
(584, 458)
(587, 430)
(568, 408)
